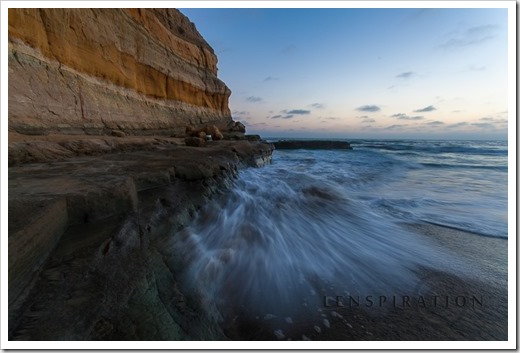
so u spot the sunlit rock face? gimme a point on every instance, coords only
(90, 71)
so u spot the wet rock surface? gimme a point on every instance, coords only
(89, 240)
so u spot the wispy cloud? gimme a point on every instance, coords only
(471, 36)
(258, 124)
(429, 108)
(477, 68)
(457, 125)
(317, 105)
(288, 116)
(368, 121)
(392, 127)
(368, 108)
(403, 116)
(484, 125)
(254, 99)
(435, 123)
(270, 78)
(297, 111)
(240, 112)
(288, 49)
(406, 75)
(495, 120)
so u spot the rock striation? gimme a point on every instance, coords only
(101, 177)
(92, 71)
(90, 254)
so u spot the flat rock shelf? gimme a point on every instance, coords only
(89, 240)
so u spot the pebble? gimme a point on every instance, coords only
(335, 314)
(317, 329)
(326, 323)
(279, 334)
(288, 320)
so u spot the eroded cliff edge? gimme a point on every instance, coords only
(92, 213)
(90, 71)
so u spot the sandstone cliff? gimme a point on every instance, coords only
(90, 71)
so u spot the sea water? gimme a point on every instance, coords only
(330, 222)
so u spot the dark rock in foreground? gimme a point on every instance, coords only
(312, 145)
(90, 237)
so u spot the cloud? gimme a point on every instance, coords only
(258, 124)
(368, 108)
(367, 121)
(288, 49)
(317, 105)
(435, 123)
(240, 113)
(254, 99)
(297, 111)
(406, 117)
(477, 68)
(471, 36)
(391, 127)
(270, 78)
(453, 126)
(494, 120)
(288, 116)
(484, 125)
(429, 108)
(405, 75)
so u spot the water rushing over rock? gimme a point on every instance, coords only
(317, 231)
(277, 246)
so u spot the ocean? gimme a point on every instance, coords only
(318, 223)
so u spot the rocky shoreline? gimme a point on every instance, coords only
(88, 238)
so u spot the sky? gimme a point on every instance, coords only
(363, 73)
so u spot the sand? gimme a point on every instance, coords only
(476, 301)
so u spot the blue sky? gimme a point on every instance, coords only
(362, 73)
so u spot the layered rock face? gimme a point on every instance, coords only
(91, 71)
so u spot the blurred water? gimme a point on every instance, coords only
(321, 222)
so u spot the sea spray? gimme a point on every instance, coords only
(292, 237)
(276, 247)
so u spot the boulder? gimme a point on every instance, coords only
(214, 132)
(190, 130)
(194, 141)
(237, 126)
(234, 135)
